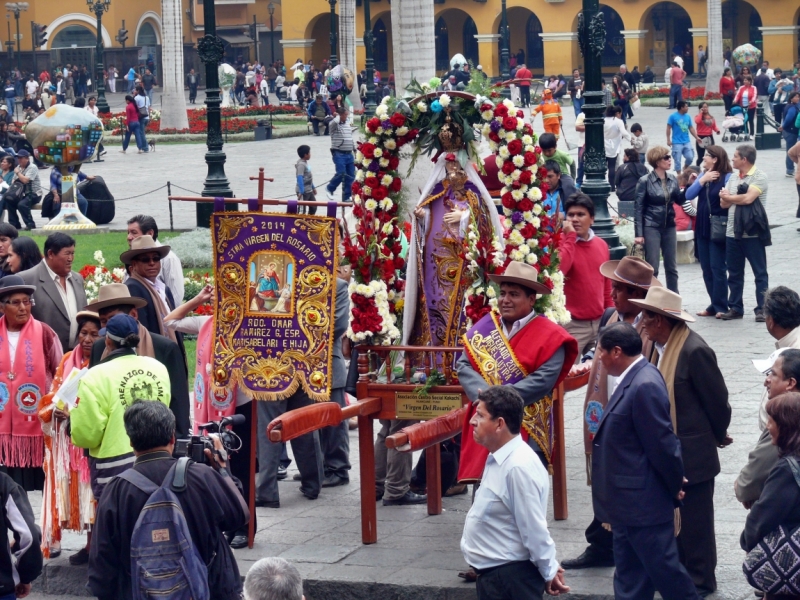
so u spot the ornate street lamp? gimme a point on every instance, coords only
(334, 36)
(369, 66)
(505, 49)
(592, 40)
(98, 7)
(17, 8)
(271, 9)
(211, 50)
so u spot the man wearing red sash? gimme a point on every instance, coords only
(30, 353)
(517, 348)
(630, 279)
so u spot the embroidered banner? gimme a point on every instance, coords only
(275, 280)
(491, 352)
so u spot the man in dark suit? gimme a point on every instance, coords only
(637, 473)
(59, 294)
(116, 299)
(144, 259)
(700, 418)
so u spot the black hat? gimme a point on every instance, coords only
(14, 283)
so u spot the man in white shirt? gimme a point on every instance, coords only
(31, 86)
(171, 268)
(505, 539)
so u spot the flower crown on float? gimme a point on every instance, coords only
(447, 120)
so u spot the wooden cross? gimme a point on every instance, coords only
(261, 179)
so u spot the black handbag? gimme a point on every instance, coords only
(15, 193)
(719, 223)
(773, 565)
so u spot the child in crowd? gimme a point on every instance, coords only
(639, 142)
(686, 212)
(305, 180)
(547, 142)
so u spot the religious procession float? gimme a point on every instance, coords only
(421, 287)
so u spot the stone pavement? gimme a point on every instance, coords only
(417, 556)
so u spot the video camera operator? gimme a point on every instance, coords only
(210, 501)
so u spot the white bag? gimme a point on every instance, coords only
(637, 104)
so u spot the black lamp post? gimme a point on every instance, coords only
(334, 36)
(271, 9)
(211, 50)
(505, 49)
(17, 8)
(98, 7)
(369, 66)
(592, 40)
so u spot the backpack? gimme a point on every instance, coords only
(164, 561)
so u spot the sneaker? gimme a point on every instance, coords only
(790, 175)
(329, 195)
(760, 318)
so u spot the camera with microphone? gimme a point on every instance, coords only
(195, 446)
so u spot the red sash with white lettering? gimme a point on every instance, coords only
(210, 403)
(21, 388)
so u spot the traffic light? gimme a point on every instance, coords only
(39, 35)
(122, 36)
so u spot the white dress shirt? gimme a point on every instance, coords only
(172, 275)
(517, 325)
(69, 300)
(161, 289)
(622, 375)
(508, 519)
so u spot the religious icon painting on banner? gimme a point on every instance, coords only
(271, 278)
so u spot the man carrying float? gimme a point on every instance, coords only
(519, 348)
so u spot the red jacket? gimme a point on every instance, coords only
(752, 96)
(727, 86)
(524, 74)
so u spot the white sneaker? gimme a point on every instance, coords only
(329, 195)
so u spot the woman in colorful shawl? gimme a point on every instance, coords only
(67, 501)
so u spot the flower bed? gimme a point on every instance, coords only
(694, 93)
(96, 276)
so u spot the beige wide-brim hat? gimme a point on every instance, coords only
(521, 274)
(144, 244)
(631, 270)
(115, 294)
(664, 302)
(87, 314)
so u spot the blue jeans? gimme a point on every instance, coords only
(791, 140)
(675, 94)
(135, 130)
(679, 150)
(736, 252)
(130, 85)
(150, 95)
(579, 179)
(577, 105)
(712, 261)
(345, 173)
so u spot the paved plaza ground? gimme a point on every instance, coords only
(417, 556)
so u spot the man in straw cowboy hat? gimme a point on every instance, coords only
(630, 279)
(516, 348)
(116, 299)
(144, 262)
(637, 472)
(700, 414)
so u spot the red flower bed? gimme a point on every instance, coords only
(695, 93)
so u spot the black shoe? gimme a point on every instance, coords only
(588, 560)
(81, 557)
(239, 541)
(282, 474)
(334, 481)
(378, 496)
(731, 315)
(309, 495)
(268, 503)
(760, 318)
(296, 477)
(54, 554)
(409, 498)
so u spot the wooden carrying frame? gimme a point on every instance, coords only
(376, 400)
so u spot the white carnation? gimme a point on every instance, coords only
(402, 131)
(444, 100)
(503, 152)
(386, 180)
(537, 209)
(422, 107)
(518, 161)
(516, 195)
(390, 144)
(527, 140)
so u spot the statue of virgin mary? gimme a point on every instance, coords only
(436, 278)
